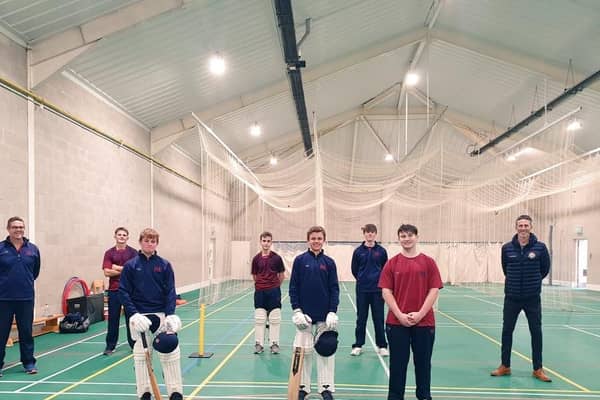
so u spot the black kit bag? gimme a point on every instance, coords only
(74, 323)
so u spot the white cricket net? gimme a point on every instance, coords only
(465, 207)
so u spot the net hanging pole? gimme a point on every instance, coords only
(320, 211)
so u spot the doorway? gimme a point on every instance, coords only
(581, 246)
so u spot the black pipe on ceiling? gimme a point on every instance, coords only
(285, 19)
(540, 112)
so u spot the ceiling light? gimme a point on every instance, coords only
(273, 160)
(255, 129)
(411, 79)
(389, 157)
(574, 125)
(217, 64)
(511, 158)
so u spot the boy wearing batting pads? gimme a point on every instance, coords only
(147, 290)
(315, 295)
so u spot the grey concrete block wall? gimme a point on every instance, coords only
(86, 186)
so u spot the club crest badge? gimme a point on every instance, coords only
(531, 255)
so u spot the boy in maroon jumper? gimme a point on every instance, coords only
(268, 272)
(112, 265)
(410, 284)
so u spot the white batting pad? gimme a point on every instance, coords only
(260, 319)
(142, 379)
(325, 372)
(172, 370)
(274, 325)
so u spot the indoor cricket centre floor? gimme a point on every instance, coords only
(71, 366)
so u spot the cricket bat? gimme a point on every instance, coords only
(295, 373)
(153, 383)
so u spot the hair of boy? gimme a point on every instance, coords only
(149, 233)
(266, 234)
(369, 228)
(316, 229)
(122, 228)
(408, 228)
(13, 219)
(525, 217)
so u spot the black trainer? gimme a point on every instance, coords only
(302, 394)
(176, 396)
(326, 395)
(145, 396)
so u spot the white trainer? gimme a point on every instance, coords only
(384, 352)
(356, 351)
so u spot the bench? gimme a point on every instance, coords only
(40, 326)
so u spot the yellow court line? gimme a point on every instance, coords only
(219, 367)
(88, 377)
(103, 370)
(223, 362)
(524, 357)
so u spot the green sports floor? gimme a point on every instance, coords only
(71, 366)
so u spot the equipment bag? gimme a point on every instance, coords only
(74, 323)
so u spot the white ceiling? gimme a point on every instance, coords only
(489, 62)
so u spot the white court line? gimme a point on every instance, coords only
(383, 363)
(483, 301)
(37, 356)
(582, 331)
(61, 371)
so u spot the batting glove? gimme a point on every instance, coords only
(301, 320)
(331, 321)
(139, 323)
(173, 323)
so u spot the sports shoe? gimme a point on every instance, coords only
(1, 375)
(501, 371)
(356, 351)
(539, 374)
(258, 348)
(275, 348)
(384, 352)
(326, 395)
(145, 396)
(302, 394)
(176, 396)
(108, 352)
(31, 369)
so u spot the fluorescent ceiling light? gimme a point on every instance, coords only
(217, 64)
(513, 156)
(574, 125)
(273, 160)
(255, 129)
(389, 157)
(411, 79)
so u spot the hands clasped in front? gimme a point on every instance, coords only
(410, 319)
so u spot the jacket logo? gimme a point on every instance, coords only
(323, 267)
(531, 255)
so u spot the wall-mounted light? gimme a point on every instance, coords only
(255, 129)
(217, 64)
(574, 125)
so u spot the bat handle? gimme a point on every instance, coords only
(144, 341)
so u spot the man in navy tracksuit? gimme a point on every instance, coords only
(368, 260)
(525, 262)
(19, 268)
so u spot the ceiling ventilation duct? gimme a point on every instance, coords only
(285, 19)
(537, 114)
